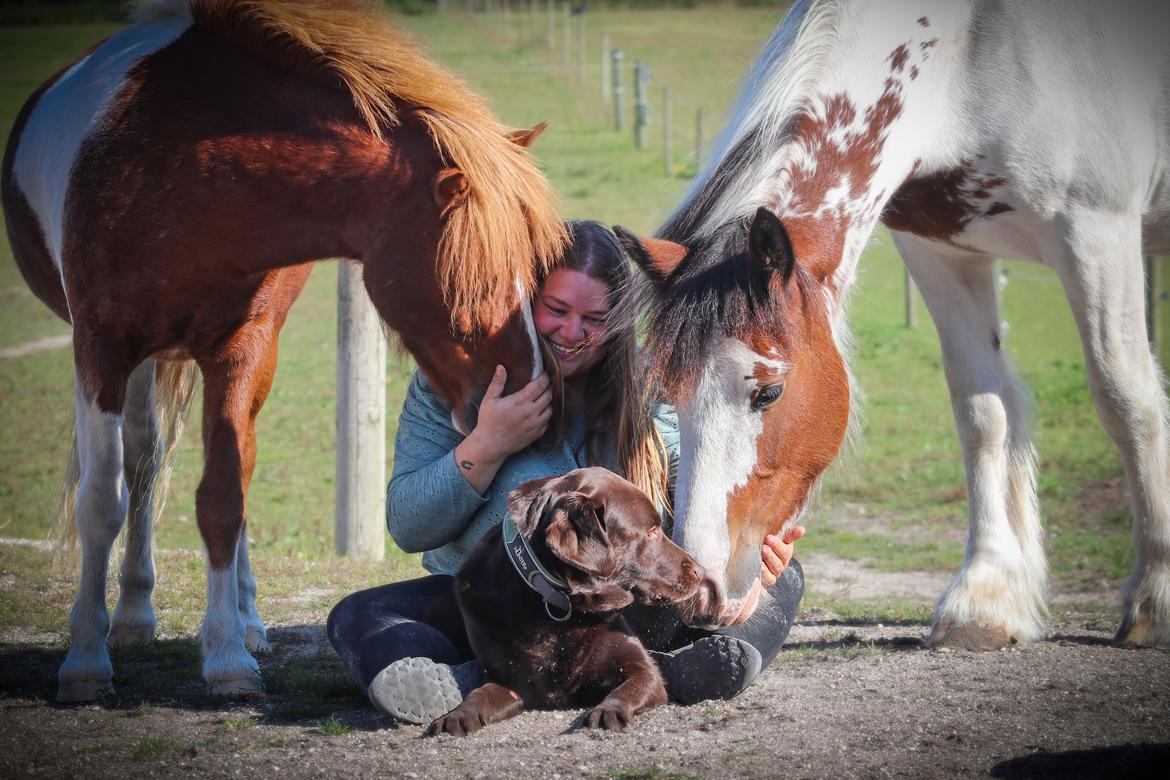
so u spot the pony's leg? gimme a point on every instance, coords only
(228, 668)
(99, 512)
(256, 635)
(1098, 257)
(999, 595)
(134, 619)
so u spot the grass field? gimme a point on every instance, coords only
(901, 504)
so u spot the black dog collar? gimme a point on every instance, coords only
(551, 588)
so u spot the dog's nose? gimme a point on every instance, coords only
(693, 573)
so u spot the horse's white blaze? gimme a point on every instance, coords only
(227, 666)
(530, 326)
(99, 512)
(718, 433)
(72, 110)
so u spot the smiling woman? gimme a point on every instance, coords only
(405, 642)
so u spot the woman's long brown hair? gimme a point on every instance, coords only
(618, 402)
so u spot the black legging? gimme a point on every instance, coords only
(373, 628)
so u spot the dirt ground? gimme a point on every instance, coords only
(845, 700)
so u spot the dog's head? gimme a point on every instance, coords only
(604, 537)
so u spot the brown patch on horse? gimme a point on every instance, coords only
(898, 58)
(508, 229)
(855, 155)
(941, 205)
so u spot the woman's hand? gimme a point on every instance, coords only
(509, 423)
(506, 424)
(777, 554)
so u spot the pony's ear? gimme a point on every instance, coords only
(450, 188)
(769, 245)
(577, 536)
(527, 503)
(525, 138)
(656, 258)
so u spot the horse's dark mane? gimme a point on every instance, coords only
(719, 288)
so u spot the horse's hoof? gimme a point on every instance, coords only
(257, 641)
(128, 636)
(70, 691)
(247, 685)
(976, 636)
(1142, 633)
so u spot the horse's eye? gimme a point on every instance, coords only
(652, 533)
(766, 395)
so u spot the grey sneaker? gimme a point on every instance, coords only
(714, 667)
(418, 690)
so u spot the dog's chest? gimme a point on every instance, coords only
(554, 669)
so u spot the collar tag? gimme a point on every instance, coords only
(552, 589)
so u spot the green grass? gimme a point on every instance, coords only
(155, 748)
(655, 772)
(232, 725)
(332, 727)
(909, 471)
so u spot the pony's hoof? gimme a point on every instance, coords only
(256, 640)
(70, 691)
(958, 636)
(1142, 633)
(245, 685)
(128, 636)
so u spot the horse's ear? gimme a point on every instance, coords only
(657, 258)
(525, 138)
(450, 188)
(769, 245)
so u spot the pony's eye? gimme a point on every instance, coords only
(766, 395)
(652, 533)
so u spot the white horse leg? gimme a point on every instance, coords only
(134, 619)
(255, 634)
(999, 594)
(100, 510)
(1099, 260)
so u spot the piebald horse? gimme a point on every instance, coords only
(973, 130)
(167, 194)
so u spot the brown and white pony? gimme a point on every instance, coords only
(972, 129)
(167, 193)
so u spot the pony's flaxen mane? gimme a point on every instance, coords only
(508, 230)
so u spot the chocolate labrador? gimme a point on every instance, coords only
(542, 602)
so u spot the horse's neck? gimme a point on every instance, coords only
(876, 110)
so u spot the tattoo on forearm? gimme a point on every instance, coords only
(466, 465)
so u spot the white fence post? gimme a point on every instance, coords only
(360, 511)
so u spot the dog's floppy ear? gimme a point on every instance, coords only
(577, 536)
(526, 504)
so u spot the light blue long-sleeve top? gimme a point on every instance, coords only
(430, 506)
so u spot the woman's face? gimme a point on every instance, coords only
(570, 312)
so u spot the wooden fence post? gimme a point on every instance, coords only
(617, 89)
(565, 42)
(581, 49)
(552, 41)
(360, 509)
(640, 107)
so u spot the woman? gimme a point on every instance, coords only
(404, 642)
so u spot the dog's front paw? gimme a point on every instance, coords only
(459, 722)
(611, 716)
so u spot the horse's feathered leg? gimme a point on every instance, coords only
(1098, 257)
(99, 512)
(134, 619)
(999, 595)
